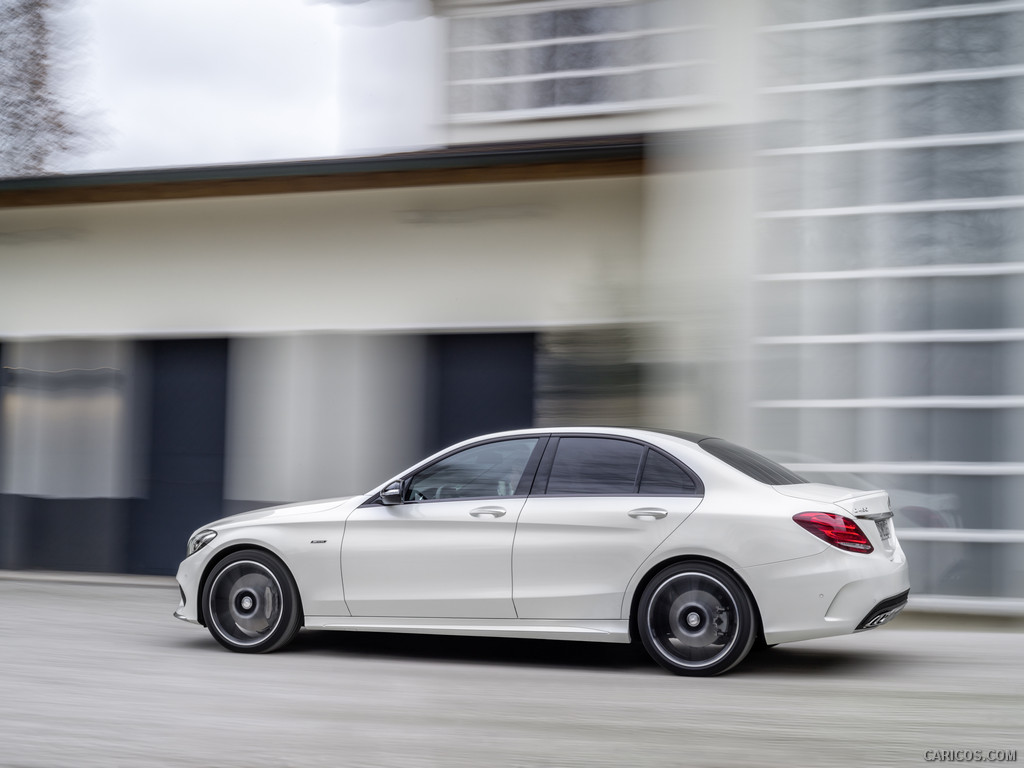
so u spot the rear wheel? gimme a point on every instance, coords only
(251, 603)
(695, 618)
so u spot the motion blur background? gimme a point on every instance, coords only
(796, 224)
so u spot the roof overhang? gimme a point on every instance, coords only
(575, 158)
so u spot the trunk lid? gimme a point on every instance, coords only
(872, 509)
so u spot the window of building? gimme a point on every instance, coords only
(545, 59)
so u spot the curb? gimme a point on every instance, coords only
(916, 618)
(79, 577)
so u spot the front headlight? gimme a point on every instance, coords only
(199, 539)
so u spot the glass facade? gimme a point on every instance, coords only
(546, 60)
(890, 272)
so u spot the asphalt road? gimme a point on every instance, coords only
(102, 675)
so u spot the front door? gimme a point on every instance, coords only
(445, 551)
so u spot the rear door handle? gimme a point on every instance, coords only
(652, 513)
(488, 512)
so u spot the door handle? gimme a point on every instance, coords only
(488, 512)
(652, 513)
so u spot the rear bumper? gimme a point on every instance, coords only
(830, 593)
(884, 612)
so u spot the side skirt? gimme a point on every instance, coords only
(597, 631)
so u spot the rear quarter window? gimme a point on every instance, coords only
(663, 477)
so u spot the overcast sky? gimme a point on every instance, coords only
(197, 82)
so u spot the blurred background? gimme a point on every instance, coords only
(796, 224)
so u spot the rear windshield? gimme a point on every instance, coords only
(752, 464)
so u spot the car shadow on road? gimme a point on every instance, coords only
(798, 660)
(476, 650)
(787, 660)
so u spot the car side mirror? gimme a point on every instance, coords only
(392, 494)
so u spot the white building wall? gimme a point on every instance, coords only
(698, 262)
(503, 255)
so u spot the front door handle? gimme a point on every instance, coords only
(488, 512)
(652, 513)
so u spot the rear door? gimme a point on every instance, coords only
(599, 507)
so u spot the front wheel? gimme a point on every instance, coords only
(251, 603)
(695, 618)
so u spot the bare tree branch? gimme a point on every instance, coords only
(35, 127)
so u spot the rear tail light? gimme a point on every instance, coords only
(836, 530)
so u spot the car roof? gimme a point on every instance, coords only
(634, 432)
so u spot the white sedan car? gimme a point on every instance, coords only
(698, 547)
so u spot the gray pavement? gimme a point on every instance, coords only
(96, 672)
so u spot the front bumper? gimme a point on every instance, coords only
(179, 614)
(188, 577)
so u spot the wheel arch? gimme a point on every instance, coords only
(658, 567)
(230, 550)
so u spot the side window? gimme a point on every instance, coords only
(663, 477)
(594, 466)
(482, 471)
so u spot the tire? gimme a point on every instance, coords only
(250, 603)
(696, 619)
